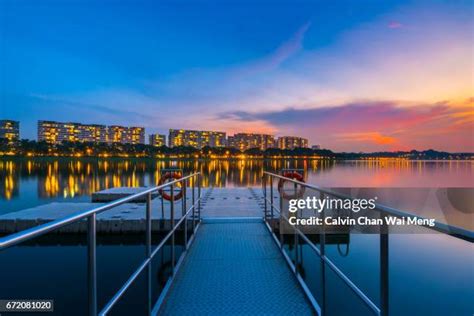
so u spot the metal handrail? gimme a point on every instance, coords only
(451, 230)
(384, 242)
(332, 265)
(90, 215)
(321, 309)
(24, 235)
(108, 307)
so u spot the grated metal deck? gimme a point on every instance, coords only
(235, 268)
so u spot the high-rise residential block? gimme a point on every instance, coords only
(197, 139)
(10, 130)
(292, 142)
(56, 132)
(244, 141)
(157, 140)
(126, 135)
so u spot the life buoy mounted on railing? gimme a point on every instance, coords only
(292, 175)
(170, 176)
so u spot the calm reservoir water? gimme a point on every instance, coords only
(31, 182)
(429, 274)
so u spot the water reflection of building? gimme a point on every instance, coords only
(197, 139)
(57, 132)
(75, 177)
(157, 140)
(9, 180)
(10, 130)
(292, 142)
(244, 141)
(69, 179)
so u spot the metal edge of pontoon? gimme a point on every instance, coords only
(164, 292)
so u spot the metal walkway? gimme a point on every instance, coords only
(235, 268)
(234, 202)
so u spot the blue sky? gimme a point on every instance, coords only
(237, 65)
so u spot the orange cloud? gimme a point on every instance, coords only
(373, 137)
(374, 126)
(383, 140)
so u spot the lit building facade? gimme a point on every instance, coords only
(10, 130)
(56, 132)
(126, 135)
(157, 140)
(292, 142)
(244, 141)
(197, 139)
(93, 133)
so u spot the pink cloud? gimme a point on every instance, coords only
(375, 126)
(394, 25)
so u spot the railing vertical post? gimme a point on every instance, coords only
(148, 250)
(92, 263)
(264, 184)
(194, 204)
(199, 196)
(322, 248)
(296, 236)
(172, 226)
(148, 225)
(271, 196)
(297, 259)
(281, 217)
(162, 212)
(384, 269)
(185, 209)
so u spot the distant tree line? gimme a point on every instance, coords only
(69, 149)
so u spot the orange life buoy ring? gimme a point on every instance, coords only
(292, 175)
(164, 178)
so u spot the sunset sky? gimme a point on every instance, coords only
(351, 76)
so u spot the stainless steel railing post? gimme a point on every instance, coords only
(281, 216)
(148, 225)
(199, 196)
(264, 184)
(322, 248)
(92, 263)
(271, 196)
(184, 214)
(296, 237)
(194, 204)
(148, 250)
(162, 212)
(384, 269)
(172, 226)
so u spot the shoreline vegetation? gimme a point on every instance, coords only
(28, 148)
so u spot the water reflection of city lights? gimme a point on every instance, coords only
(70, 178)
